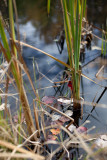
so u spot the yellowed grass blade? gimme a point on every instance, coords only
(21, 150)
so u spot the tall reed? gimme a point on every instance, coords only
(73, 13)
(48, 6)
(102, 45)
(105, 40)
(11, 55)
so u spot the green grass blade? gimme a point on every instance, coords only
(48, 6)
(102, 45)
(68, 30)
(4, 40)
(12, 25)
(72, 20)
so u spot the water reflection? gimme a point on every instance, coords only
(41, 30)
(60, 39)
(97, 12)
(36, 12)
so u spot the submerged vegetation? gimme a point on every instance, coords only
(27, 135)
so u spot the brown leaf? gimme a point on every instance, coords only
(64, 119)
(55, 131)
(51, 137)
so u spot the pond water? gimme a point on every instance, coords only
(40, 30)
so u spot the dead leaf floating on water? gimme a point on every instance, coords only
(70, 85)
(102, 141)
(57, 123)
(82, 129)
(71, 128)
(64, 119)
(51, 137)
(48, 100)
(2, 106)
(55, 131)
(65, 101)
(55, 117)
(69, 113)
(16, 118)
(5, 64)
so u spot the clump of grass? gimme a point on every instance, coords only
(73, 12)
(11, 56)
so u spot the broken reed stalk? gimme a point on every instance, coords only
(15, 69)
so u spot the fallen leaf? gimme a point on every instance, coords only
(5, 64)
(55, 131)
(2, 106)
(71, 128)
(82, 129)
(55, 117)
(48, 100)
(57, 123)
(104, 137)
(95, 48)
(51, 137)
(16, 118)
(70, 85)
(101, 141)
(69, 113)
(65, 100)
(64, 119)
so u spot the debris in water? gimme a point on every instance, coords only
(101, 141)
(16, 118)
(69, 113)
(2, 106)
(48, 99)
(65, 100)
(82, 129)
(55, 117)
(55, 131)
(51, 137)
(70, 85)
(71, 128)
